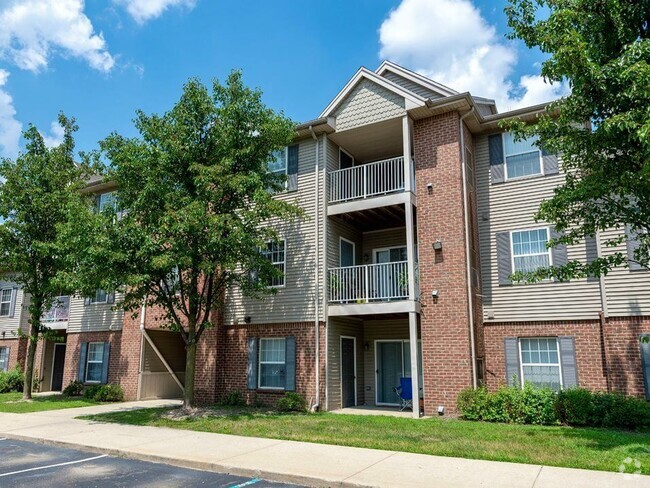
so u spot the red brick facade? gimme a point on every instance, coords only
(17, 351)
(236, 359)
(608, 355)
(444, 321)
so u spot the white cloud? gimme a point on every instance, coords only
(144, 10)
(450, 42)
(10, 128)
(31, 31)
(56, 135)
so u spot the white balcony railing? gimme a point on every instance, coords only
(366, 180)
(59, 312)
(369, 283)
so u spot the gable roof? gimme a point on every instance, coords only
(411, 99)
(417, 78)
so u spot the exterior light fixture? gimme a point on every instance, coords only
(437, 245)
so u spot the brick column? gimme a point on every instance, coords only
(444, 321)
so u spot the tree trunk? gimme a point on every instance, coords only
(190, 370)
(29, 363)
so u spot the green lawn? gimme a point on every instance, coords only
(599, 449)
(13, 403)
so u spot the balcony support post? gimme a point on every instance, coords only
(415, 373)
(406, 139)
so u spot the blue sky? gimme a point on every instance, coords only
(100, 60)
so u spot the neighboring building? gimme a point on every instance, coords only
(418, 209)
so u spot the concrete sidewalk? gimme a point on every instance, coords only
(289, 461)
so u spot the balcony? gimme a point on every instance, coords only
(57, 316)
(367, 180)
(369, 289)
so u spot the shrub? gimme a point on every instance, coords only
(233, 398)
(75, 388)
(12, 380)
(509, 404)
(575, 406)
(109, 393)
(291, 402)
(617, 410)
(91, 391)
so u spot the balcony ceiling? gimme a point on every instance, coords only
(375, 218)
(372, 142)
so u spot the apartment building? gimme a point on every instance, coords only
(418, 208)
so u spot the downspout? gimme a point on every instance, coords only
(316, 404)
(602, 317)
(470, 298)
(143, 314)
(324, 152)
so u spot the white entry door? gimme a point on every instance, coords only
(389, 281)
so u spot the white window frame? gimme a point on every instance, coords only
(505, 162)
(276, 263)
(354, 251)
(377, 250)
(341, 150)
(521, 362)
(4, 351)
(92, 298)
(512, 246)
(2, 301)
(259, 364)
(106, 194)
(88, 361)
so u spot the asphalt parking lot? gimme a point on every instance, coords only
(35, 465)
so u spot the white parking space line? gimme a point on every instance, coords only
(53, 465)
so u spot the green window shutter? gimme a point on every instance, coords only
(251, 372)
(504, 258)
(12, 305)
(81, 374)
(559, 252)
(292, 168)
(497, 166)
(568, 361)
(511, 345)
(550, 162)
(290, 363)
(632, 246)
(107, 353)
(645, 362)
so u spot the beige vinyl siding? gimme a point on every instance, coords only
(336, 230)
(628, 292)
(382, 239)
(337, 327)
(294, 302)
(95, 317)
(374, 330)
(11, 325)
(368, 103)
(411, 86)
(511, 206)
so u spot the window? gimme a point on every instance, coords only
(94, 362)
(523, 158)
(106, 200)
(5, 302)
(272, 372)
(278, 166)
(4, 358)
(276, 254)
(100, 296)
(529, 251)
(540, 362)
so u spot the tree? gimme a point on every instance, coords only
(198, 209)
(602, 129)
(38, 193)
